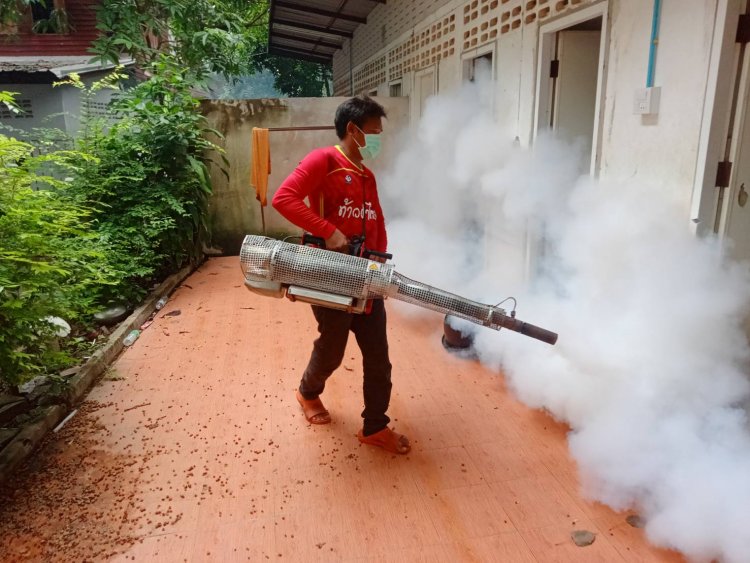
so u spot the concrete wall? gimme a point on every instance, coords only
(234, 210)
(657, 149)
(54, 107)
(46, 107)
(386, 23)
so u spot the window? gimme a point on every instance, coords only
(483, 63)
(41, 11)
(394, 90)
(25, 113)
(50, 16)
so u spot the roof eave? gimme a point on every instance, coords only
(320, 26)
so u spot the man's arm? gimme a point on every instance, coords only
(289, 199)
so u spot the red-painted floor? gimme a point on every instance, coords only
(193, 448)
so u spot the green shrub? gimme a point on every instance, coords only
(51, 263)
(85, 228)
(150, 186)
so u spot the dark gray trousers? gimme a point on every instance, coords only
(328, 352)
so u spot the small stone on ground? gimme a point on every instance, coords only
(583, 538)
(635, 521)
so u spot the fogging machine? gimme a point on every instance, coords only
(275, 268)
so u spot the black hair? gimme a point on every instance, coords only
(357, 110)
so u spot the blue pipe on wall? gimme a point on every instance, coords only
(654, 42)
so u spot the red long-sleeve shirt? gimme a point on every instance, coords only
(341, 195)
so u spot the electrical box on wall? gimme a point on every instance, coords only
(646, 101)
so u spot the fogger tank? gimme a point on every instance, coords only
(331, 279)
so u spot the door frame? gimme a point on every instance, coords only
(545, 53)
(543, 97)
(715, 123)
(417, 81)
(724, 214)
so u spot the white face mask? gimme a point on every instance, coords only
(372, 145)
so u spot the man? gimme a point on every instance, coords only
(344, 204)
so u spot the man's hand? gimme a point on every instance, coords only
(337, 241)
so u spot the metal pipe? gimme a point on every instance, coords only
(656, 16)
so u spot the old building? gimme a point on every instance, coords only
(47, 44)
(657, 89)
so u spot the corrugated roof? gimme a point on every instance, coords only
(59, 66)
(39, 64)
(314, 29)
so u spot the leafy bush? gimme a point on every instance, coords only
(149, 187)
(51, 263)
(85, 228)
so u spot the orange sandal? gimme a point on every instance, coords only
(387, 439)
(314, 411)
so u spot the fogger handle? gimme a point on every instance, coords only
(530, 330)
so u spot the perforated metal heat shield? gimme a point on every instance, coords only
(267, 260)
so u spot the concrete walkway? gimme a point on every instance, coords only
(193, 448)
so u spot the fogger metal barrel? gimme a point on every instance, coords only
(275, 268)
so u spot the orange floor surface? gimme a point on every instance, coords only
(192, 447)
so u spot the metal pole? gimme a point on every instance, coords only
(310, 128)
(351, 68)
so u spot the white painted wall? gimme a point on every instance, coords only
(661, 149)
(527, 84)
(508, 73)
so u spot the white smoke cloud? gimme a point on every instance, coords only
(650, 368)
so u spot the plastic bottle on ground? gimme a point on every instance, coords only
(131, 337)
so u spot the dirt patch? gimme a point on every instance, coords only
(70, 500)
